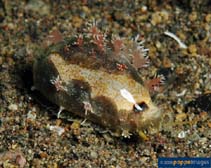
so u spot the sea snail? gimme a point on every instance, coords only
(95, 78)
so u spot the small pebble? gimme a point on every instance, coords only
(1, 60)
(209, 124)
(31, 115)
(182, 135)
(193, 16)
(203, 140)
(57, 129)
(75, 128)
(38, 6)
(192, 49)
(156, 19)
(167, 62)
(93, 155)
(181, 117)
(159, 17)
(143, 9)
(208, 18)
(86, 9)
(77, 21)
(13, 107)
(43, 155)
(158, 44)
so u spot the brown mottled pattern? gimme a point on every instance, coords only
(108, 85)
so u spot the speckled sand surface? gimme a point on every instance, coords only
(28, 126)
